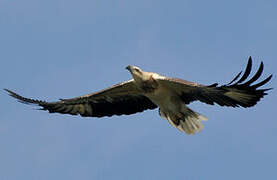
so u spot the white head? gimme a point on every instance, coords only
(138, 74)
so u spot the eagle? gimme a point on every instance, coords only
(148, 90)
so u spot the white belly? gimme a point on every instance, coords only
(165, 99)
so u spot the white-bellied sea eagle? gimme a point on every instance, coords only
(148, 90)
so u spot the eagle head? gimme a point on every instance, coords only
(137, 73)
(134, 69)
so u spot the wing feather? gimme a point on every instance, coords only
(237, 76)
(256, 76)
(122, 98)
(233, 94)
(247, 71)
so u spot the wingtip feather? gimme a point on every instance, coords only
(22, 99)
(262, 82)
(246, 72)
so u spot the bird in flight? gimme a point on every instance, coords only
(148, 90)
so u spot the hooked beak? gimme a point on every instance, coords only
(128, 68)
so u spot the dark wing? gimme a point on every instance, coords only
(123, 98)
(234, 94)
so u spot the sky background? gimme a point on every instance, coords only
(63, 48)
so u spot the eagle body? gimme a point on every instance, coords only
(148, 90)
(171, 106)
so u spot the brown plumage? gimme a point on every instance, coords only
(233, 94)
(116, 100)
(150, 90)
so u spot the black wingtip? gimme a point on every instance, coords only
(22, 99)
(262, 83)
(240, 83)
(237, 76)
(11, 93)
(7, 90)
(256, 76)
(247, 71)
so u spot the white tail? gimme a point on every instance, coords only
(187, 121)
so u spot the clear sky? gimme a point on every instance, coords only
(63, 48)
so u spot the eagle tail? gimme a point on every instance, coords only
(187, 121)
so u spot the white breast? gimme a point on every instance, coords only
(164, 98)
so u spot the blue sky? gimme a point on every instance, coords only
(61, 49)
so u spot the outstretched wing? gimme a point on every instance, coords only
(234, 94)
(123, 98)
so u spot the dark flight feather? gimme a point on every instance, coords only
(233, 94)
(234, 78)
(119, 99)
(247, 71)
